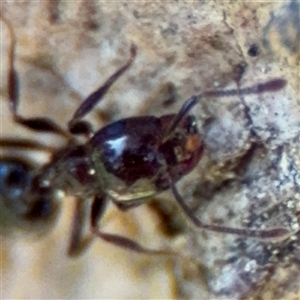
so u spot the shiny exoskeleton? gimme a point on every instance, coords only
(127, 162)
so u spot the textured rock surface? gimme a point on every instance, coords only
(66, 49)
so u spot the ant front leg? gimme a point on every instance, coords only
(98, 208)
(253, 233)
(36, 124)
(81, 127)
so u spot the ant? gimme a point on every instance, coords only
(127, 162)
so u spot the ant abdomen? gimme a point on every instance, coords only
(17, 201)
(15, 176)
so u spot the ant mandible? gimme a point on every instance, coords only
(128, 161)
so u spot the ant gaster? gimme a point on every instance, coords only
(128, 162)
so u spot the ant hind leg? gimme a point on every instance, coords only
(25, 144)
(35, 124)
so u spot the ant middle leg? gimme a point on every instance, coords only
(98, 208)
(79, 243)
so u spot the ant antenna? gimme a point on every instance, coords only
(269, 86)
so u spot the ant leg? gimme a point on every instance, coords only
(81, 127)
(35, 124)
(254, 233)
(98, 208)
(78, 244)
(272, 85)
(25, 144)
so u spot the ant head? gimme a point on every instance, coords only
(181, 144)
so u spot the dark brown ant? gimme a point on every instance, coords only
(128, 161)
